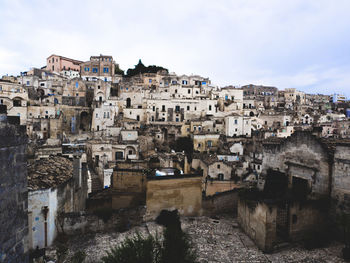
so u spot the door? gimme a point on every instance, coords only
(282, 222)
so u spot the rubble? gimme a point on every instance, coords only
(216, 240)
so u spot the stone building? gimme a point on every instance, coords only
(56, 185)
(99, 67)
(305, 185)
(13, 191)
(55, 63)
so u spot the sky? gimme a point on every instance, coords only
(302, 44)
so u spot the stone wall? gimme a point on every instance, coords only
(129, 180)
(306, 219)
(341, 179)
(257, 221)
(84, 222)
(174, 192)
(13, 195)
(264, 224)
(302, 156)
(225, 202)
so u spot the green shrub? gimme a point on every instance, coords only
(78, 257)
(61, 252)
(176, 246)
(137, 249)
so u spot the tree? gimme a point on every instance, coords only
(140, 68)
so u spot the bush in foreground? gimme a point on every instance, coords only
(176, 246)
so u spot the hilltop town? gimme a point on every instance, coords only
(87, 147)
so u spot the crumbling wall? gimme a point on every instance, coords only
(301, 155)
(305, 219)
(225, 202)
(259, 222)
(182, 193)
(341, 179)
(84, 222)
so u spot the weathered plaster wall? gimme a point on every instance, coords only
(341, 178)
(304, 219)
(300, 155)
(257, 222)
(225, 202)
(183, 194)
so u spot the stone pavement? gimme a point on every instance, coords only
(216, 240)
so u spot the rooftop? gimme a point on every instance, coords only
(49, 172)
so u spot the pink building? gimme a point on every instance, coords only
(56, 63)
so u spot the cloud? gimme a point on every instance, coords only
(300, 43)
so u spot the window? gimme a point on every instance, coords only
(42, 84)
(176, 91)
(53, 60)
(154, 108)
(150, 80)
(130, 152)
(163, 107)
(104, 115)
(218, 166)
(189, 91)
(199, 128)
(98, 87)
(177, 108)
(16, 103)
(177, 120)
(87, 69)
(199, 145)
(96, 115)
(94, 70)
(236, 121)
(105, 70)
(209, 107)
(172, 82)
(28, 83)
(77, 94)
(188, 107)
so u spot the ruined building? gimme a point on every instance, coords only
(305, 185)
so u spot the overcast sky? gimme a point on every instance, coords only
(303, 44)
